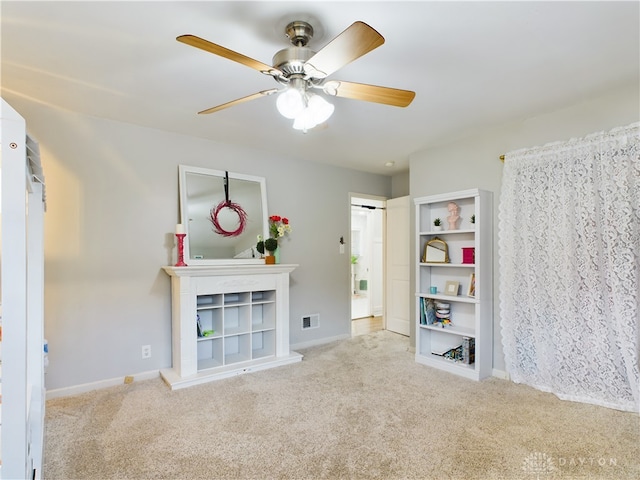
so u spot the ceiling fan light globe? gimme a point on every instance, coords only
(304, 121)
(320, 109)
(290, 103)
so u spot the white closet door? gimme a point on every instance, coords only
(398, 297)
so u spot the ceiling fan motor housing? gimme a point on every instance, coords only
(290, 61)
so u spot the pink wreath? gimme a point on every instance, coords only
(242, 218)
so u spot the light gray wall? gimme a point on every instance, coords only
(473, 161)
(112, 197)
(112, 206)
(400, 184)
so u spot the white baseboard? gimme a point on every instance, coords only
(88, 387)
(112, 382)
(321, 341)
(500, 374)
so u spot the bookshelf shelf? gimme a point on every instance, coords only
(452, 329)
(464, 345)
(447, 232)
(449, 298)
(449, 265)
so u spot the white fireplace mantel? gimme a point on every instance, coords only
(244, 312)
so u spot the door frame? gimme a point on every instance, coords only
(376, 198)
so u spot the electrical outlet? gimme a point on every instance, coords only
(146, 351)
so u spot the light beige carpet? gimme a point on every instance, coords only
(355, 409)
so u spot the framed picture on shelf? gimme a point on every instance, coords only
(436, 250)
(472, 285)
(451, 288)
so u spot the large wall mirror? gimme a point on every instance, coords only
(219, 232)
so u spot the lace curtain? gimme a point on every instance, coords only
(569, 252)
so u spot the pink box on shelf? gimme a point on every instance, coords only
(468, 255)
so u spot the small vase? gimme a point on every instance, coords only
(437, 228)
(270, 260)
(276, 254)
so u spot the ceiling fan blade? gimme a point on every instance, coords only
(230, 54)
(351, 44)
(370, 93)
(263, 93)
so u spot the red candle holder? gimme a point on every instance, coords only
(180, 237)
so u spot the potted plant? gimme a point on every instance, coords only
(473, 219)
(268, 245)
(437, 225)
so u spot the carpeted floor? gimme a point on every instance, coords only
(354, 409)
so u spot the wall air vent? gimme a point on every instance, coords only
(311, 321)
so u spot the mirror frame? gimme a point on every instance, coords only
(442, 246)
(183, 170)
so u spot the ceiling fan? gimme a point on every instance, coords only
(301, 72)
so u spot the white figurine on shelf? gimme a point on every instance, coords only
(454, 215)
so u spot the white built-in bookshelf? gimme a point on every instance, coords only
(454, 325)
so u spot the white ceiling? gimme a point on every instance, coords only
(471, 64)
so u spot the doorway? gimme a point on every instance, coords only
(367, 263)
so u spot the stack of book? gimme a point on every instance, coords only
(455, 354)
(443, 312)
(468, 350)
(465, 353)
(434, 313)
(427, 311)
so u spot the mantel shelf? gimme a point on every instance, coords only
(218, 270)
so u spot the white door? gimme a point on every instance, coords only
(397, 262)
(367, 234)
